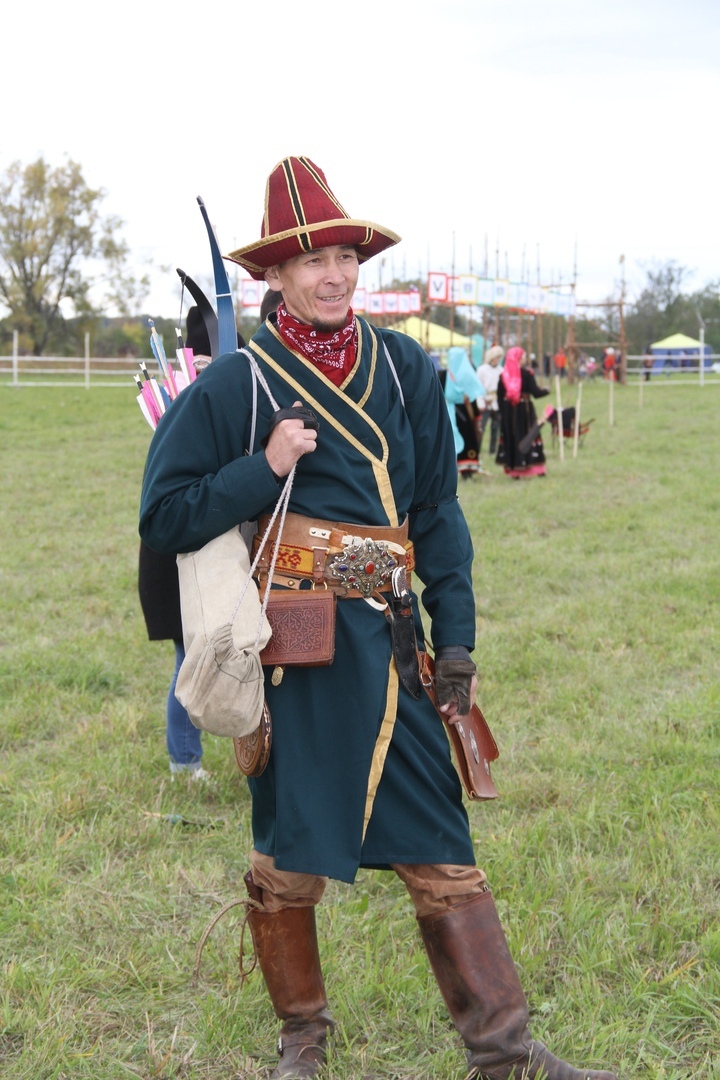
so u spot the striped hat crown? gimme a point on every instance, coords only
(302, 214)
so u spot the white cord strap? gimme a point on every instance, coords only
(280, 507)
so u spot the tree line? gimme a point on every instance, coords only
(63, 264)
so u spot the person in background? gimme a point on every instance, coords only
(159, 594)
(516, 389)
(610, 364)
(647, 363)
(489, 375)
(465, 397)
(270, 302)
(560, 363)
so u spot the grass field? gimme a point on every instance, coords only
(598, 591)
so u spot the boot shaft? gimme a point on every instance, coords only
(286, 946)
(476, 975)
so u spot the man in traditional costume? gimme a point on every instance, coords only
(360, 773)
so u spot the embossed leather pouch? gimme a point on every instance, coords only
(303, 628)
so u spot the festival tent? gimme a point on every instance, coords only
(430, 335)
(678, 350)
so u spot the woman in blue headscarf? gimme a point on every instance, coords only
(465, 398)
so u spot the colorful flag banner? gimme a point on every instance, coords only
(438, 288)
(563, 304)
(535, 297)
(252, 293)
(359, 301)
(467, 289)
(500, 292)
(485, 291)
(375, 303)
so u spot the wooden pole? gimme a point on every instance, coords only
(452, 291)
(611, 401)
(702, 355)
(559, 417)
(541, 354)
(576, 432)
(484, 307)
(623, 339)
(469, 327)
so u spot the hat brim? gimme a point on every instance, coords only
(368, 238)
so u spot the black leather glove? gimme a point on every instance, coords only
(454, 671)
(295, 412)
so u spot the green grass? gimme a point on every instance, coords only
(598, 590)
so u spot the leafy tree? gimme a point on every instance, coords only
(51, 231)
(664, 307)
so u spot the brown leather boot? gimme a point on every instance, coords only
(287, 951)
(477, 978)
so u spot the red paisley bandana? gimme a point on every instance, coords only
(333, 354)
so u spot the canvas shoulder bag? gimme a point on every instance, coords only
(225, 627)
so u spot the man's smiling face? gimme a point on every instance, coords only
(318, 286)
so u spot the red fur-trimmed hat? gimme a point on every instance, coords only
(302, 214)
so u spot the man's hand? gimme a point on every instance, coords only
(455, 681)
(289, 440)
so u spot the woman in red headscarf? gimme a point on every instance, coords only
(516, 389)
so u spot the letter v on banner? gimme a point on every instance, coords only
(437, 288)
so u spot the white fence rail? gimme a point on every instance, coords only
(71, 370)
(96, 371)
(675, 370)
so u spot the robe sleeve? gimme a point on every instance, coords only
(443, 547)
(530, 385)
(199, 480)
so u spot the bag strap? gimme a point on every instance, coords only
(284, 499)
(280, 507)
(395, 374)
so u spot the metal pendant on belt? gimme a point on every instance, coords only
(363, 565)
(402, 626)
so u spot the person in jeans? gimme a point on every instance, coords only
(159, 594)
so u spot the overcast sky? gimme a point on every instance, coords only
(543, 127)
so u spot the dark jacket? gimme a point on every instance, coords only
(159, 595)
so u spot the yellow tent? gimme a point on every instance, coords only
(430, 335)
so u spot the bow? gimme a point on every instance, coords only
(207, 311)
(226, 327)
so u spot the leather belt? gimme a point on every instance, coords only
(353, 560)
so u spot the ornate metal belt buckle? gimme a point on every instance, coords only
(363, 565)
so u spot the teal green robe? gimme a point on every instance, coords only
(360, 773)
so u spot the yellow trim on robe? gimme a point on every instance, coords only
(354, 369)
(382, 744)
(379, 465)
(373, 368)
